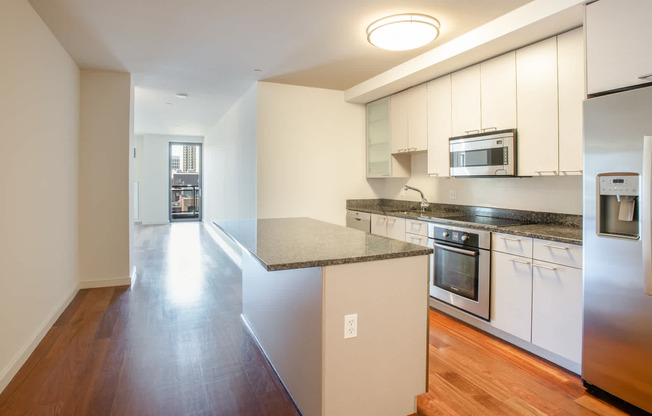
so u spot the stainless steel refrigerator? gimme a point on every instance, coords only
(617, 338)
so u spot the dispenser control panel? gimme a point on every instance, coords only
(619, 185)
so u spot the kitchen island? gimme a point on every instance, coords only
(300, 277)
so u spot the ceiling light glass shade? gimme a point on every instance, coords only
(402, 32)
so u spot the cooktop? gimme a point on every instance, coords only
(479, 219)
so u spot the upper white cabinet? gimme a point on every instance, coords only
(498, 92)
(618, 37)
(570, 73)
(484, 96)
(466, 113)
(409, 120)
(538, 140)
(380, 162)
(439, 126)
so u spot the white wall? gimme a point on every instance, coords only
(39, 130)
(545, 194)
(311, 153)
(230, 163)
(104, 183)
(153, 171)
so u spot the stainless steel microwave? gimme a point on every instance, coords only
(485, 154)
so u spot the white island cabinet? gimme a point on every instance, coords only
(302, 278)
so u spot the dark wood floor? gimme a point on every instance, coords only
(174, 344)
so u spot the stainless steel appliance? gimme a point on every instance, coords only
(484, 154)
(617, 337)
(461, 275)
(358, 220)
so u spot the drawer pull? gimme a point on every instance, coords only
(511, 239)
(519, 261)
(541, 172)
(557, 247)
(471, 131)
(644, 77)
(544, 267)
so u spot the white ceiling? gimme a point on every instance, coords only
(210, 49)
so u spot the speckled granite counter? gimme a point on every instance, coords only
(562, 228)
(294, 243)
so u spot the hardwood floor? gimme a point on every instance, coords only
(174, 344)
(472, 373)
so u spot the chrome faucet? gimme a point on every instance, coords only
(424, 202)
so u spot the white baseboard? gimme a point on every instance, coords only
(93, 284)
(225, 243)
(28, 349)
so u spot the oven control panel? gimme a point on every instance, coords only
(465, 238)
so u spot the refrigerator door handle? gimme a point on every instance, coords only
(646, 213)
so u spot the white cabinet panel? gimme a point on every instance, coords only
(511, 244)
(557, 309)
(418, 118)
(439, 126)
(399, 104)
(466, 116)
(380, 162)
(392, 227)
(416, 239)
(537, 111)
(511, 294)
(378, 224)
(570, 62)
(396, 228)
(409, 120)
(560, 253)
(416, 227)
(498, 92)
(618, 37)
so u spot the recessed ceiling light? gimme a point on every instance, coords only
(402, 32)
(181, 95)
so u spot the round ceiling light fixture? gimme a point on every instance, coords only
(401, 32)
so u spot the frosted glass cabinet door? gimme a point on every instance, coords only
(378, 152)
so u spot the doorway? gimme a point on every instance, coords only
(185, 182)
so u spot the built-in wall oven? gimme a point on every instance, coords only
(461, 268)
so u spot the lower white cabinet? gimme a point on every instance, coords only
(511, 294)
(557, 309)
(392, 227)
(416, 232)
(535, 299)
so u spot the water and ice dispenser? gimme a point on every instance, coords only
(618, 210)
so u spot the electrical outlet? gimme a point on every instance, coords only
(350, 326)
(452, 194)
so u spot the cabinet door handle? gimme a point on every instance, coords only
(511, 239)
(557, 247)
(433, 174)
(544, 267)
(412, 149)
(644, 77)
(554, 172)
(471, 131)
(565, 172)
(519, 261)
(489, 128)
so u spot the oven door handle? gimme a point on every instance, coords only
(457, 250)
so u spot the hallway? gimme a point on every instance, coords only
(172, 344)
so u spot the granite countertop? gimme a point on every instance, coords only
(546, 226)
(294, 243)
